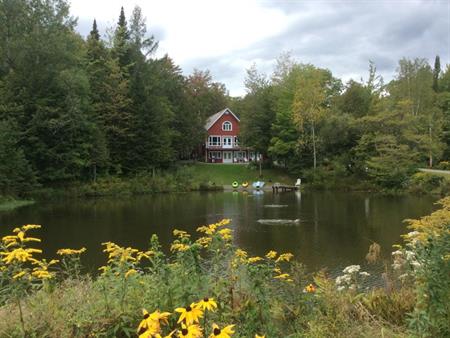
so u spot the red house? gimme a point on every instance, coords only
(222, 142)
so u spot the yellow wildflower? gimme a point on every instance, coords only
(286, 257)
(190, 331)
(130, 273)
(271, 254)
(18, 275)
(70, 252)
(30, 227)
(282, 276)
(223, 222)
(42, 274)
(241, 254)
(226, 332)
(204, 241)
(226, 234)
(190, 314)
(179, 247)
(207, 304)
(258, 336)
(208, 229)
(20, 255)
(254, 259)
(150, 325)
(310, 288)
(181, 234)
(144, 254)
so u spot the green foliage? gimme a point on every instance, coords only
(265, 295)
(430, 243)
(16, 174)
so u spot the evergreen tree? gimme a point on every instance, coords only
(16, 174)
(436, 73)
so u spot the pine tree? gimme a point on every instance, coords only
(436, 73)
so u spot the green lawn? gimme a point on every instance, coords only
(225, 174)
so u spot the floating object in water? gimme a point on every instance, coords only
(235, 184)
(244, 185)
(258, 184)
(279, 221)
(275, 206)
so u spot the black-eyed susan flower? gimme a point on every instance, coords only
(190, 314)
(207, 304)
(190, 331)
(225, 332)
(310, 288)
(148, 327)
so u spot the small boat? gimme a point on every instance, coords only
(245, 185)
(275, 206)
(235, 185)
(258, 185)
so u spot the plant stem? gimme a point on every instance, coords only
(21, 317)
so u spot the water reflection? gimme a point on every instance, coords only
(335, 229)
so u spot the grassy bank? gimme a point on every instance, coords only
(7, 204)
(194, 177)
(208, 281)
(225, 174)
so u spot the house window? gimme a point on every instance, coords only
(214, 140)
(236, 140)
(226, 126)
(215, 155)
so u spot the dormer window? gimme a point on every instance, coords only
(226, 126)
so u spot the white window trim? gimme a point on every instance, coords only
(230, 144)
(214, 145)
(231, 126)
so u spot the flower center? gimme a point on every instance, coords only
(206, 299)
(216, 331)
(146, 316)
(184, 332)
(188, 308)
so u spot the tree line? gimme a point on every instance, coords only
(305, 119)
(74, 108)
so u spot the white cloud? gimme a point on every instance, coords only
(228, 36)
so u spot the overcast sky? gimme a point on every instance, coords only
(228, 36)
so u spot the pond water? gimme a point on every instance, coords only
(322, 229)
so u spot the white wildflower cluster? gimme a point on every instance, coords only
(352, 278)
(405, 264)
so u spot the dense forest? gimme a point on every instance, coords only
(72, 109)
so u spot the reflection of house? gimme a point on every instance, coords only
(222, 143)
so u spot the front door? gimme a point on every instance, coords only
(227, 157)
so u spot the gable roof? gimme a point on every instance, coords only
(213, 118)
